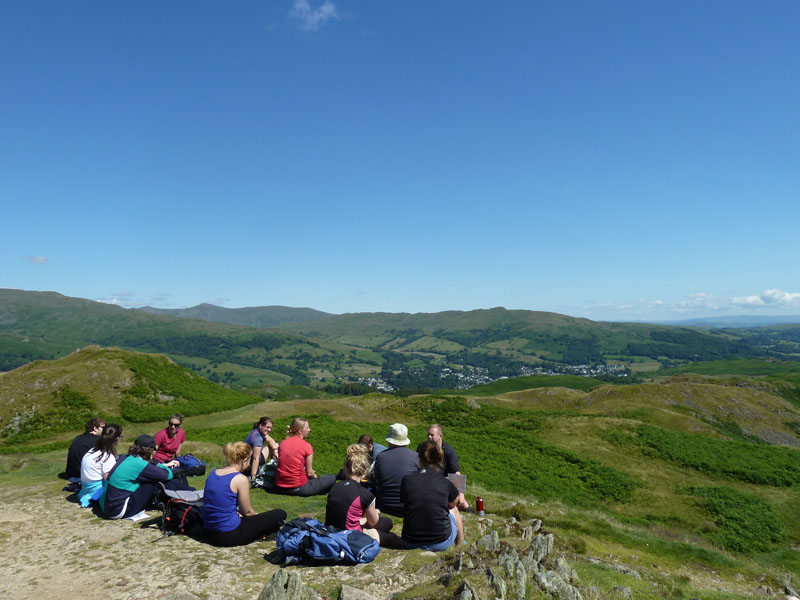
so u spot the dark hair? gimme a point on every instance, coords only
(107, 444)
(430, 456)
(94, 424)
(178, 416)
(261, 422)
(145, 452)
(365, 439)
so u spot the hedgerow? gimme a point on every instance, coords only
(745, 522)
(755, 463)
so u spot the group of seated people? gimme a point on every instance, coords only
(122, 484)
(375, 479)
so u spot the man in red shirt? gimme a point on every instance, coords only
(169, 440)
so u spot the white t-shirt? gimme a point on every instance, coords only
(94, 470)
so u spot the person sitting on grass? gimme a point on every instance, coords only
(228, 516)
(170, 440)
(80, 446)
(390, 468)
(258, 438)
(450, 465)
(132, 483)
(98, 462)
(431, 519)
(352, 506)
(296, 475)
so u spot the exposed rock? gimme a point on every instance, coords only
(489, 542)
(497, 583)
(567, 573)
(552, 583)
(787, 587)
(350, 593)
(466, 592)
(285, 585)
(536, 524)
(541, 546)
(458, 563)
(527, 533)
(764, 590)
(622, 592)
(624, 569)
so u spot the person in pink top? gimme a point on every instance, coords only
(170, 440)
(296, 475)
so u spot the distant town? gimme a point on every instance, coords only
(468, 376)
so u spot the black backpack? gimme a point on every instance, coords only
(181, 512)
(181, 518)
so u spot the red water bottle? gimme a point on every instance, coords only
(479, 505)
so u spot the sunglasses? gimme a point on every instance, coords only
(174, 424)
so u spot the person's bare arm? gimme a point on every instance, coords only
(254, 461)
(242, 489)
(310, 466)
(372, 514)
(273, 447)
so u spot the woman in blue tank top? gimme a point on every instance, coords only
(228, 517)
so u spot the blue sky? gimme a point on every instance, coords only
(614, 160)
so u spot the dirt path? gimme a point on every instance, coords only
(51, 548)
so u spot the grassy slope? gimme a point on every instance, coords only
(133, 386)
(576, 445)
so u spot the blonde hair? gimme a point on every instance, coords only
(357, 449)
(357, 462)
(236, 451)
(296, 425)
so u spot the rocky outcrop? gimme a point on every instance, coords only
(286, 585)
(350, 593)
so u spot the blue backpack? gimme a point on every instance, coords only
(191, 465)
(309, 541)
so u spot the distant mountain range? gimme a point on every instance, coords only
(451, 349)
(255, 316)
(734, 321)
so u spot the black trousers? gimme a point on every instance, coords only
(313, 487)
(250, 529)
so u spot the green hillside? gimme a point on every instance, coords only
(47, 325)
(46, 398)
(448, 350)
(677, 478)
(254, 316)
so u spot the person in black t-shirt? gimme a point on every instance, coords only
(352, 506)
(81, 445)
(450, 465)
(431, 518)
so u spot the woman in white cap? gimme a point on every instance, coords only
(390, 468)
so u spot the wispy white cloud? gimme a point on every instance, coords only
(310, 19)
(768, 302)
(160, 300)
(37, 260)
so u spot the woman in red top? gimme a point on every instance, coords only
(296, 475)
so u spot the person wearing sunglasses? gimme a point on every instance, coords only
(169, 440)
